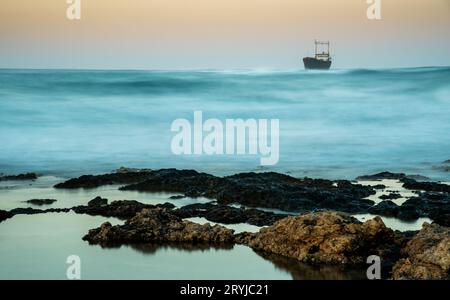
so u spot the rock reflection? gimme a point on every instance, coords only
(301, 271)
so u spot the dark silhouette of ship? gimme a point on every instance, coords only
(322, 59)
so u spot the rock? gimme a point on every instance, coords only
(268, 190)
(177, 197)
(381, 176)
(159, 225)
(27, 176)
(328, 238)
(391, 196)
(442, 219)
(391, 176)
(446, 162)
(228, 215)
(122, 209)
(33, 211)
(4, 215)
(430, 204)
(425, 186)
(41, 202)
(379, 187)
(385, 208)
(94, 181)
(426, 256)
(98, 201)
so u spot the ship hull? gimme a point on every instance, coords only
(316, 64)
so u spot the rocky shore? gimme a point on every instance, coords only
(316, 227)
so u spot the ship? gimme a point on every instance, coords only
(322, 58)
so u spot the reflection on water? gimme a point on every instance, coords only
(37, 246)
(301, 271)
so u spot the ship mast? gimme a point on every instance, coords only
(323, 55)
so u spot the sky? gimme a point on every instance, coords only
(221, 34)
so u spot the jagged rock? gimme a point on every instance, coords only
(93, 181)
(4, 215)
(432, 205)
(427, 255)
(385, 208)
(391, 196)
(425, 186)
(228, 215)
(41, 202)
(98, 201)
(269, 190)
(122, 209)
(158, 225)
(27, 176)
(33, 211)
(330, 238)
(391, 176)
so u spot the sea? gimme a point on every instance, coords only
(336, 124)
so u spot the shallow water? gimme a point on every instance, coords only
(337, 124)
(37, 247)
(14, 194)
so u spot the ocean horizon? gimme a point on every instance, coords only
(333, 124)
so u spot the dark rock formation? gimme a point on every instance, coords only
(385, 208)
(391, 196)
(122, 209)
(228, 215)
(389, 175)
(431, 205)
(425, 186)
(98, 201)
(268, 190)
(41, 202)
(27, 176)
(93, 181)
(329, 238)
(4, 215)
(426, 256)
(158, 225)
(33, 211)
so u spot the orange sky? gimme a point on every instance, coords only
(179, 34)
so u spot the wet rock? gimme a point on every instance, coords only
(228, 215)
(159, 225)
(390, 176)
(391, 196)
(430, 205)
(98, 201)
(426, 256)
(329, 238)
(379, 187)
(122, 209)
(177, 197)
(4, 215)
(442, 219)
(385, 208)
(94, 181)
(41, 202)
(268, 190)
(425, 186)
(189, 182)
(27, 176)
(33, 211)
